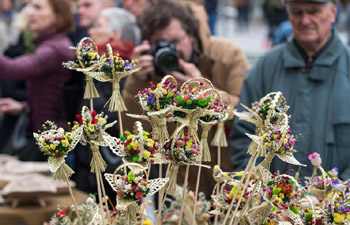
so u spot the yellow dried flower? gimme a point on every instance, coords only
(65, 143)
(338, 218)
(146, 154)
(134, 145)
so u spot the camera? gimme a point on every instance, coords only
(165, 58)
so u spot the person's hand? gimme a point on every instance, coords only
(10, 106)
(145, 61)
(190, 71)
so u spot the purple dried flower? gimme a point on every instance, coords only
(150, 99)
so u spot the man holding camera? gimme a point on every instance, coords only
(312, 71)
(172, 46)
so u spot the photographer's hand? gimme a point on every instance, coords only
(145, 61)
(190, 70)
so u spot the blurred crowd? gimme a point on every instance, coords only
(35, 36)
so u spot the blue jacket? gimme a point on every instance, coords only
(319, 99)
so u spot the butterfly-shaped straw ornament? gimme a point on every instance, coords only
(87, 60)
(139, 147)
(57, 143)
(155, 102)
(270, 110)
(113, 69)
(94, 127)
(180, 150)
(132, 187)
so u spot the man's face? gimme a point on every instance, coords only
(311, 22)
(88, 11)
(99, 32)
(135, 6)
(176, 34)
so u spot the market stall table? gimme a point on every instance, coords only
(33, 214)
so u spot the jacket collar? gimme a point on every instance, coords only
(205, 65)
(293, 57)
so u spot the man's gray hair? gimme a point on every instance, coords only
(119, 19)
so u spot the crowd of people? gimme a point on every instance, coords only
(312, 69)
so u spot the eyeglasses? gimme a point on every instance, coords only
(179, 40)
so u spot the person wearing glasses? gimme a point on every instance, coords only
(172, 25)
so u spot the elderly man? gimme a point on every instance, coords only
(312, 71)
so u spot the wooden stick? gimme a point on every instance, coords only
(120, 123)
(219, 156)
(216, 219)
(249, 168)
(73, 198)
(91, 104)
(184, 194)
(100, 197)
(247, 202)
(160, 193)
(196, 195)
(128, 217)
(143, 207)
(170, 180)
(104, 196)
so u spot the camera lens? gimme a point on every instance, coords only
(166, 59)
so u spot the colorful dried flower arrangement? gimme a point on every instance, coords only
(61, 217)
(164, 91)
(135, 152)
(192, 97)
(132, 187)
(230, 191)
(281, 192)
(311, 217)
(116, 64)
(278, 141)
(53, 141)
(340, 209)
(86, 54)
(93, 125)
(263, 109)
(217, 107)
(184, 149)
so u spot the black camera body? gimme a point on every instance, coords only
(165, 57)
